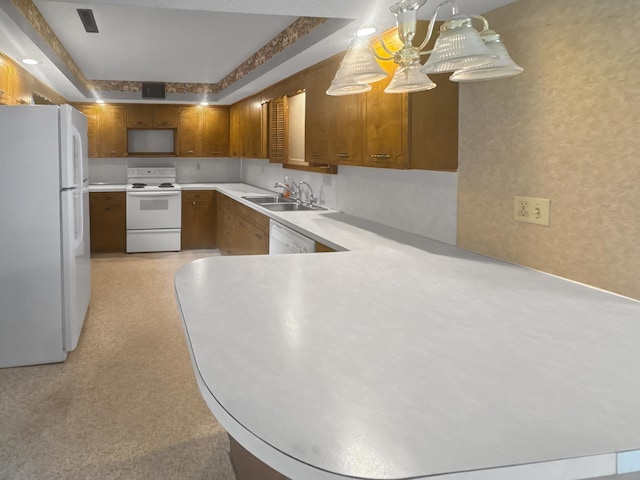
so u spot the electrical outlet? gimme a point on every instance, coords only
(531, 209)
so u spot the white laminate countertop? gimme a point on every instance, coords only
(408, 358)
(107, 187)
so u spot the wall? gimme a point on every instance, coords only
(567, 130)
(416, 201)
(188, 170)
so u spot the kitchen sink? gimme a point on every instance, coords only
(290, 207)
(268, 199)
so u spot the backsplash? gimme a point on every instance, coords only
(416, 201)
(188, 170)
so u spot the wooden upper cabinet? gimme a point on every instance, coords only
(246, 128)
(112, 137)
(411, 130)
(317, 114)
(216, 132)
(235, 128)
(6, 83)
(22, 94)
(152, 116)
(252, 128)
(189, 133)
(345, 123)
(164, 117)
(139, 116)
(277, 145)
(385, 128)
(92, 114)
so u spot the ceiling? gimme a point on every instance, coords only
(218, 51)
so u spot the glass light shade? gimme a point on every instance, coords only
(359, 64)
(502, 66)
(338, 90)
(409, 79)
(458, 46)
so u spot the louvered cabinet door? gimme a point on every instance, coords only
(278, 130)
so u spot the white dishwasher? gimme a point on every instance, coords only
(285, 240)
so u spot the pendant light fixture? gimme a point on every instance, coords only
(459, 48)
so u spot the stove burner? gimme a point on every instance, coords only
(139, 185)
(165, 185)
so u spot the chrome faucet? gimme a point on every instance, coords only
(294, 193)
(310, 198)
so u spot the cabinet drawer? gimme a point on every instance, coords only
(197, 196)
(253, 217)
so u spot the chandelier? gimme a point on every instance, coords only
(470, 55)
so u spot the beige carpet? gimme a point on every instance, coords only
(125, 404)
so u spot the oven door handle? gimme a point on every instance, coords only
(153, 194)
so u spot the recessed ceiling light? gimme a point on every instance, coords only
(99, 101)
(366, 30)
(30, 61)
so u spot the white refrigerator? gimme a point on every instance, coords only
(45, 265)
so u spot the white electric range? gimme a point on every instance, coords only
(153, 210)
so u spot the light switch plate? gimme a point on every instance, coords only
(531, 210)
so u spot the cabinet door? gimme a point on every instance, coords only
(113, 132)
(216, 132)
(198, 219)
(317, 114)
(257, 239)
(345, 129)
(235, 127)
(165, 117)
(21, 90)
(139, 116)
(6, 83)
(108, 225)
(220, 237)
(252, 128)
(93, 130)
(189, 133)
(385, 128)
(277, 144)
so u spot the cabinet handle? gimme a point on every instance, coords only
(380, 156)
(189, 151)
(258, 236)
(315, 154)
(343, 155)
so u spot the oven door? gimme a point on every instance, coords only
(153, 210)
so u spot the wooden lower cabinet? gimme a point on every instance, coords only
(108, 220)
(248, 467)
(241, 230)
(198, 219)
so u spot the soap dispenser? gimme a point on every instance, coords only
(285, 194)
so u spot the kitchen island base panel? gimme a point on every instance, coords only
(248, 467)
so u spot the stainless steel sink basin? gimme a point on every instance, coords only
(290, 207)
(268, 199)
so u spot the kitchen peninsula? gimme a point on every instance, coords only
(404, 357)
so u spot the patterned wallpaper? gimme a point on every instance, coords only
(567, 130)
(277, 44)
